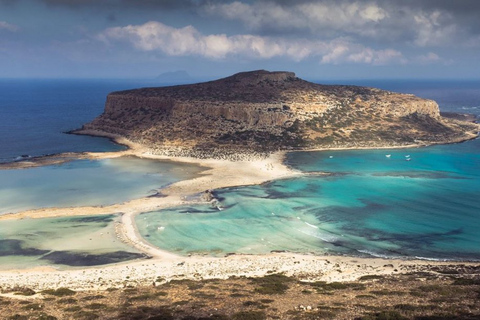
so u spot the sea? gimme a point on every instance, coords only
(402, 203)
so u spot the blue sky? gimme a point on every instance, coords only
(343, 39)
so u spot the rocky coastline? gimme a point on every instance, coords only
(253, 114)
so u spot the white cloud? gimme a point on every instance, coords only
(376, 57)
(434, 29)
(432, 58)
(429, 58)
(188, 41)
(387, 21)
(318, 17)
(341, 51)
(7, 26)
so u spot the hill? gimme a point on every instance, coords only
(261, 112)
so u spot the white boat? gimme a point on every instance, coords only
(388, 155)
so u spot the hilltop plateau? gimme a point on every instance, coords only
(259, 112)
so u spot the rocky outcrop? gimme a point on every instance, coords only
(263, 111)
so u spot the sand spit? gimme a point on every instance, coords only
(218, 174)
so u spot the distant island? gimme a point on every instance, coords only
(260, 112)
(179, 76)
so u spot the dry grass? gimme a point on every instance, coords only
(412, 296)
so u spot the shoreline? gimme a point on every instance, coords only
(161, 270)
(167, 265)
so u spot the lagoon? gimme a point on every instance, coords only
(62, 242)
(370, 205)
(88, 182)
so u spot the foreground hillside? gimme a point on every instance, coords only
(450, 292)
(263, 111)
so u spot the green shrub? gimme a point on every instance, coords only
(272, 284)
(60, 292)
(266, 300)
(387, 292)
(384, 315)
(191, 284)
(67, 300)
(44, 316)
(365, 296)
(33, 306)
(95, 297)
(24, 292)
(322, 286)
(249, 315)
(18, 317)
(371, 277)
(96, 306)
(466, 282)
(86, 315)
(72, 309)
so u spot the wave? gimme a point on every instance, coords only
(430, 259)
(329, 239)
(379, 255)
(310, 225)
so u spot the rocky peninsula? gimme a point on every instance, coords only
(260, 112)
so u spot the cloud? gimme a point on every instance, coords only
(432, 58)
(188, 41)
(347, 52)
(434, 29)
(423, 23)
(160, 4)
(7, 26)
(317, 17)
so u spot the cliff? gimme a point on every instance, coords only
(263, 111)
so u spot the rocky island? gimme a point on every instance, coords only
(261, 112)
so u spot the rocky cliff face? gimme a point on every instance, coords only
(263, 111)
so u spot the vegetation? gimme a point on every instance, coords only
(275, 296)
(60, 292)
(272, 284)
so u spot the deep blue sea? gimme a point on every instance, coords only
(36, 113)
(370, 205)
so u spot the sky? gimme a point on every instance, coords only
(324, 39)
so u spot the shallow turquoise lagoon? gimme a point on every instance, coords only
(372, 205)
(62, 242)
(87, 182)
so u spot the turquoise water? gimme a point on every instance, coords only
(87, 182)
(371, 205)
(63, 242)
